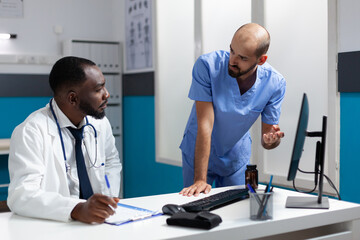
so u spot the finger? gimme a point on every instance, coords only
(185, 191)
(276, 128)
(106, 200)
(103, 203)
(199, 190)
(274, 137)
(105, 208)
(182, 191)
(266, 138)
(98, 220)
(101, 215)
(207, 189)
(110, 210)
(117, 200)
(191, 191)
(114, 202)
(281, 134)
(98, 213)
(269, 138)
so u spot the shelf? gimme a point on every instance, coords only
(4, 146)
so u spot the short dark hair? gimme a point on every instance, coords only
(68, 71)
(263, 47)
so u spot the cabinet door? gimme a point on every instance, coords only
(109, 84)
(80, 49)
(113, 113)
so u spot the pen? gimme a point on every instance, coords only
(108, 185)
(262, 209)
(269, 185)
(109, 189)
(256, 196)
(250, 188)
(267, 189)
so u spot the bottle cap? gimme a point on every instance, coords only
(251, 166)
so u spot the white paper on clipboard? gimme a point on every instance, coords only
(127, 213)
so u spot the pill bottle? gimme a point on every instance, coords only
(251, 176)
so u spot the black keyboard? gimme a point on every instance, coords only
(217, 200)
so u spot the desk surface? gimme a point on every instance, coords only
(236, 223)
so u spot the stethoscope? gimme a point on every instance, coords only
(87, 124)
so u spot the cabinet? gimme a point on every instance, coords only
(107, 56)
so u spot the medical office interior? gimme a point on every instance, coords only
(150, 107)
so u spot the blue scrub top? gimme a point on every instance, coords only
(234, 113)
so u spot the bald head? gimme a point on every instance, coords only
(253, 36)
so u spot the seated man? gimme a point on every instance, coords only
(60, 155)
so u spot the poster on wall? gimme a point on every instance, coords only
(11, 8)
(138, 35)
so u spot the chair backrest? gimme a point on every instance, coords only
(4, 207)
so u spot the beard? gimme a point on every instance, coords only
(239, 73)
(86, 108)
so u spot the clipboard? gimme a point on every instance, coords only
(127, 213)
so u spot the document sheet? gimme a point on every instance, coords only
(127, 213)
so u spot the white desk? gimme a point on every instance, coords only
(341, 221)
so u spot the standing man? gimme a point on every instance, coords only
(60, 155)
(230, 90)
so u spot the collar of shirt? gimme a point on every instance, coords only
(63, 120)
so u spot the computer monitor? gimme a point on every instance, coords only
(301, 134)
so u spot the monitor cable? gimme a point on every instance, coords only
(311, 191)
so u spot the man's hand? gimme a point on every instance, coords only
(271, 136)
(95, 210)
(195, 189)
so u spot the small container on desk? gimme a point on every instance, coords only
(251, 176)
(261, 206)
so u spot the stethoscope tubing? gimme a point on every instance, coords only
(62, 140)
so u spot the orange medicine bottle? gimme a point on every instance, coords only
(251, 176)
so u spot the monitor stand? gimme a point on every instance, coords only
(307, 202)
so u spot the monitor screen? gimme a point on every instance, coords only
(299, 138)
(301, 134)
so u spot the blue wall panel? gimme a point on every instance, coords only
(142, 175)
(349, 146)
(16, 109)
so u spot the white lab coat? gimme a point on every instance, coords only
(38, 179)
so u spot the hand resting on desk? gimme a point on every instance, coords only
(197, 188)
(95, 210)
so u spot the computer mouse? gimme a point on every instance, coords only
(170, 209)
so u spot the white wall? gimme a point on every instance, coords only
(80, 19)
(299, 50)
(348, 25)
(176, 57)
(220, 21)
